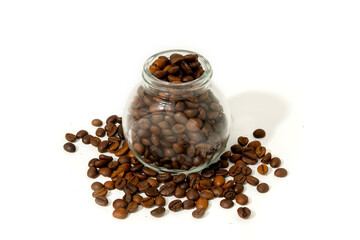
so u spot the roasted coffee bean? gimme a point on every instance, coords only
(130, 188)
(103, 146)
(70, 137)
(111, 119)
(92, 162)
(164, 177)
(235, 157)
(120, 183)
(188, 204)
(96, 185)
(225, 155)
(147, 202)
(92, 172)
(105, 171)
(234, 170)
(160, 201)
(218, 181)
(238, 188)
(202, 203)
(198, 213)
(152, 182)
(113, 165)
(102, 201)
(254, 144)
(262, 188)
(280, 172)
(175, 205)
(262, 169)
(96, 122)
(149, 172)
(229, 193)
(240, 178)
(184, 185)
(167, 189)
(143, 186)
(242, 199)
(192, 194)
(243, 141)
(275, 162)
(222, 172)
(204, 184)
(224, 163)
(236, 148)
(246, 171)
(179, 192)
(252, 180)
(207, 173)
(228, 184)
(244, 212)
(109, 185)
(137, 198)
(179, 178)
(152, 192)
(259, 133)
(127, 197)
(158, 212)
(81, 134)
(86, 139)
(132, 207)
(226, 203)
(260, 151)
(95, 141)
(218, 191)
(266, 159)
(69, 147)
(240, 163)
(120, 213)
(208, 194)
(99, 192)
(119, 203)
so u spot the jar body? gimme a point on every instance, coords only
(176, 127)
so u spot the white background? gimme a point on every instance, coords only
(290, 67)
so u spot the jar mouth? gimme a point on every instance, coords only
(170, 86)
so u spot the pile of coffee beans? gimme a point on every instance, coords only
(177, 68)
(142, 186)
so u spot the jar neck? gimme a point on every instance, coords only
(155, 86)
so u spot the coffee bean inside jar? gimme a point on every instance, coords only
(176, 120)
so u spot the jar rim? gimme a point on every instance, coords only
(159, 84)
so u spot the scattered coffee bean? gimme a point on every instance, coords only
(69, 147)
(202, 203)
(96, 122)
(188, 204)
(86, 139)
(198, 213)
(92, 172)
(175, 205)
(96, 185)
(100, 132)
(109, 185)
(244, 212)
(262, 169)
(147, 202)
(262, 188)
(275, 162)
(70, 137)
(101, 200)
(243, 141)
(252, 180)
(119, 203)
(158, 212)
(120, 213)
(241, 199)
(160, 201)
(280, 172)
(226, 203)
(259, 133)
(81, 134)
(132, 207)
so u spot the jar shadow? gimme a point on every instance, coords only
(256, 109)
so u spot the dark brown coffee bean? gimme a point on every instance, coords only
(152, 192)
(207, 173)
(111, 119)
(167, 189)
(252, 180)
(175, 205)
(240, 163)
(202, 203)
(95, 141)
(243, 141)
(235, 157)
(103, 146)
(222, 172)
(132, 207)
(204, 184)
(224, 163)
(228, 184)
(275, 162)
(92, 172)
(262, 188)
(229, 193)
(218, 191)
(246, 171)
(234, 170)
(100, 132)
(113, 165)
(208, 194)
(244, 212)
(120, 183)
(111, 129)
(173, 69)
(226, 203)
(158, 212)
(225, 155)
(249, 160)
(137, 198)
(96, 185)
(192, 194)
(198, 213)
(130, 188)
(160, 201)
(127, 197)
(179, 192)
(92, 162)
(120, 213)
(109, 185)
(96, 122)
(179, 178)
(236, 148)
(105, 171)
(86, 139)
(242, 199)
(102, 201)
(260, 151)
(149, 172)
(266, 159)
(259, 133)
(218, 181)
(240, 178)
(176, 58)
(254, 144)
(147, 202)
(99, 192)
(69, 147)
(81, 133)
(70, 137)
(164, 177)
(152, 182)
(238, 188)
(143, 186)
(280, 172)
(119, 203)
(262, 169)
(188, 204)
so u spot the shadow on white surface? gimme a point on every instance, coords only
(256, 109)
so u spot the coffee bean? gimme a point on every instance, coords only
(275, 162)
(252, 180)
(219, 181)
(229, 193)
(179, 178)
(119, 203)
(149, 172)
(112, 119)
(100, 132)
(95, 141)
(226, 203)
(92, 162)
(96, 122)
(81, 134)
(152, 192)
(164, 177)
(192, 194)
(96, 185)
(179, 192)
(280, 172)
(120, 213)
(132, 207)
(244, 212)
(246, 171)
(105, 171)
(86, 139)
(202, 203)
(262, 169)
(188, 204)
(243, 141)
(254, 144)
(235, 170)
(92, 172)
(99, 192)
(240, 178)
(228, 184)
(236, 148)
(147, 202)
(207, 173)
(198, 213)
(110, 185)
(158, 212)
(259, 133)
(137, 198)
(70, 137)
(103, 146)
(266, 159)
(160, 201)
(262, 188)
(175, 205)
(101, 200)
(127, 197)
(218, 191)
(152, 182)
(225, 155)
(241, 199)
(208, 194)
(238, 188)
(69, 147)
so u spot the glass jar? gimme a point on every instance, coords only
(176, 127)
